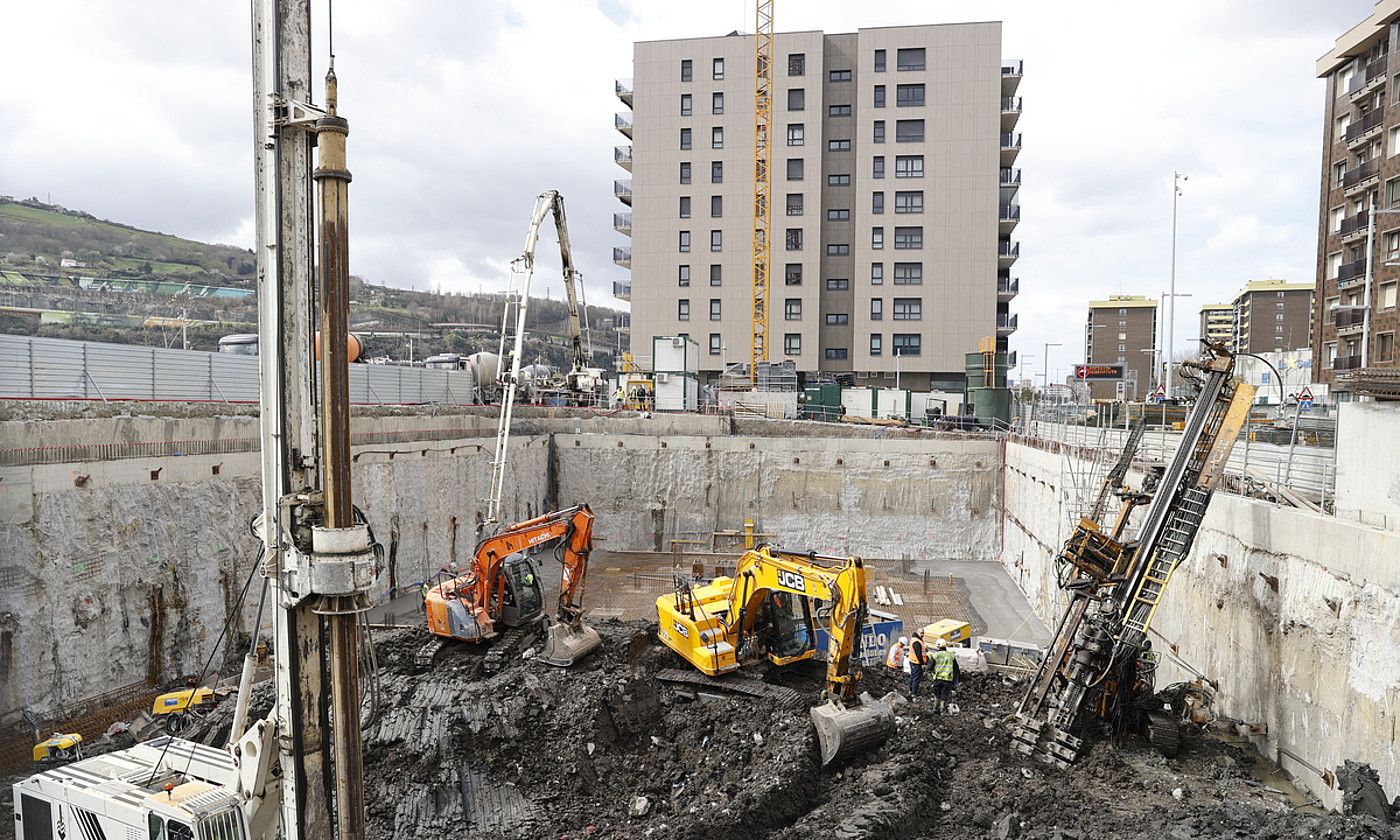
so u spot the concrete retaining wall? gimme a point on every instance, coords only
(1296, 615)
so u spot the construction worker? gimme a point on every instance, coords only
(618, 397)
(917, 659)
(424, 591)
(894, 659)
(945, 674)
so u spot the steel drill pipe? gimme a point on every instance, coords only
(333, 179)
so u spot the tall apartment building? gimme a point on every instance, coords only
(1218, 323)
(894, 197)
(1354, 326)
(1273, 316)
(1122, 331)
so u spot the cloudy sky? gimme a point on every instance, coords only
(461, 112)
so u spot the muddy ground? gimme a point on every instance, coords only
(604, 750)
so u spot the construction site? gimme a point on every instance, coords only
(592, 613)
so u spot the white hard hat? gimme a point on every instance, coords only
(904, 640)
(942, 643)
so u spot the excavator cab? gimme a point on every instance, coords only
(788, 634)
(521, 600)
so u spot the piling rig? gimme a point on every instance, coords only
(1115, 584)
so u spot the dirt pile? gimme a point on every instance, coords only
(605, 750)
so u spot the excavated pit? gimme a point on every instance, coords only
(606, 750)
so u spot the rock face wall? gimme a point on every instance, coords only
(1296, 615)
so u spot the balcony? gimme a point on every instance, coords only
(623, 257)
(1010, 148)
(624, 91)
(1007, 217)
(1006, 324)
(622, 223)
(1369, 79)
(1008, 288)
(1349, 319)
(1010, 177)
(622, 289)
(1361, 178)
(1007, 253)
(623, 122)
(1346, 363)
(1364, 129)
(623, 191)
(1010, 76)
(622, 156)
(1010, 112)
(1354, 227)
(1350, 272)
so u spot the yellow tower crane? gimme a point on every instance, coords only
(762, 181)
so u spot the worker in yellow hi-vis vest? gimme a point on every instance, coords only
(945, 675)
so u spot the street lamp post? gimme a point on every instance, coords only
(1045, 357)
(1167, 342)
(1177, 178)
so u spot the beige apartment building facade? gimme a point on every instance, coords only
(894, 199)
(1218, 323)
(1122, 330)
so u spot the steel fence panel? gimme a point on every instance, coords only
(235, 378)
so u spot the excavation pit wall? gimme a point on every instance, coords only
(124, 540)
(1295, 614)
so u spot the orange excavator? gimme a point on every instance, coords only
(501, 589)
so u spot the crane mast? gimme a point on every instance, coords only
(762, 181)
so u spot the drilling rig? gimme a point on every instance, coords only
(1115, 584)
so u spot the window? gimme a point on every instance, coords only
(797, 64)
(717, 69)
(685, 105)
(908, 273)
(794, 204)
(907, 344)
(839, 76)
(716, 275)
(1278, 317)
(1121, 348)
(1393, 142)
(683, 276)
(877, 238)
(714, 344)
(837, 284)
(792, 309)
(792, 344)
(838, 110)
(797, 99)
(716, 240)
(878, 167)
(685, 173)
(716, 138)
(686, 69)
(838, 145)
(792, 274)
(837, 319)
(836, 353)
(685, 138)
(794, 169)
(717, 172)
(910, 59)
(716, 103)
(879, 61)
(908, 309)
(879, 131)
(838, 180)
(876, 344)
(877, 309)
(716, 207)
(1339, 173)
(1387, 296)
(1385, 347)
(1334, 265)
(685, 241)
(909, 131)
(685, 207)
(714, 309)
(1392, 245)
(877, 202)
(908, 237)
(838, 250)
(795, 134)
(683, 309)
(909, 96)
(879, 96)
(838, 215)
(877, 274)
(909, 202)
(793, 238)
(1338, 214)
(909, 166)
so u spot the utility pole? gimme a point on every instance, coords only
(1177, 178)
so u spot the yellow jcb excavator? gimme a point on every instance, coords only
(771, 608)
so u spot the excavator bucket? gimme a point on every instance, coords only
(564, 644)
(844, 731)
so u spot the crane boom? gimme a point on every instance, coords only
(762, 181)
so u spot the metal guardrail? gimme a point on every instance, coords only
(53, 368)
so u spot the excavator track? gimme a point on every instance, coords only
(1164, 733)
(733, 685)
(511, 644)
(429, 651)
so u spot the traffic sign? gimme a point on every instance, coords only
(1089, 371)
(1160, 394)
(1305, 399)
